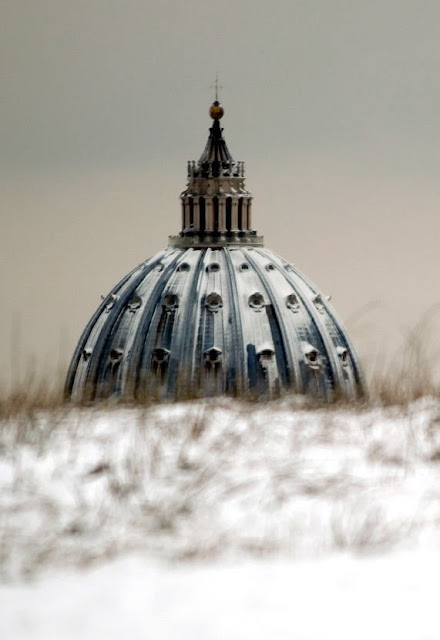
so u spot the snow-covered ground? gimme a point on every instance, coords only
(392, 597)
(221, 520)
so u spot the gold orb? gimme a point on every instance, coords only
(216, 111)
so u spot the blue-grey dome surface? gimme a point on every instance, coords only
(213, 320)
(215, 312)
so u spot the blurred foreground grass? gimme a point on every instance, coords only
(215, 479)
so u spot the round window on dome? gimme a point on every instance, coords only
(266, 354)
(256, 301)
(270, 267)
(170, 302)
(110, 302)
(292, 302)
(342, 355)
(213, 356)
(214, 266)
(134, 303)
(312, 356)
(244, 266)
(116, 355)
(319, 303)
(183, 267)
(160, 356)
(214, 302)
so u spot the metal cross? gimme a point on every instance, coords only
(216, 86)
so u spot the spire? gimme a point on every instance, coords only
(216, 206)
(216, 159)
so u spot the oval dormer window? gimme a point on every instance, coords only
(86, 353)
(266, 354)
(116, 355)
(342, 355)
(214, 302)
(292, 302)
(170, 302)
(111, 301)
(134, 303)
(213, 356)
(312, 356)
(319, 303)
(256, 301)
(160, 356)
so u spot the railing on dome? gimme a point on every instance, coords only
(215, 169)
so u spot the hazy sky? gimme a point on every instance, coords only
(334, 105)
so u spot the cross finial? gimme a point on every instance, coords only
(216, 86)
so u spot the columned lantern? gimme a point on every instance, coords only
(216, 312)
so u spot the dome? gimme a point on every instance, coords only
(214, 313)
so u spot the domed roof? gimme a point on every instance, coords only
(215, 312)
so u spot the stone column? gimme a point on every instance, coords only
(249, 213)
(244, 215)
(185, 214)
(234, 215)
(209, 214)
(196, 214)
(222, 214)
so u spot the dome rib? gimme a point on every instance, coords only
(145, 339)
(79, 382)
(104, 373)
(181, 360)
(237, 349)
(303, 288)
(292, 368)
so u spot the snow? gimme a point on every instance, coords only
(218, 519)
(337, 598)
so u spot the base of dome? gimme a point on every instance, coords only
(217, 239)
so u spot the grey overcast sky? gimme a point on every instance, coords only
(333, 104)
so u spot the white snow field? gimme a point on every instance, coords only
(338, 598)
(219, 519)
